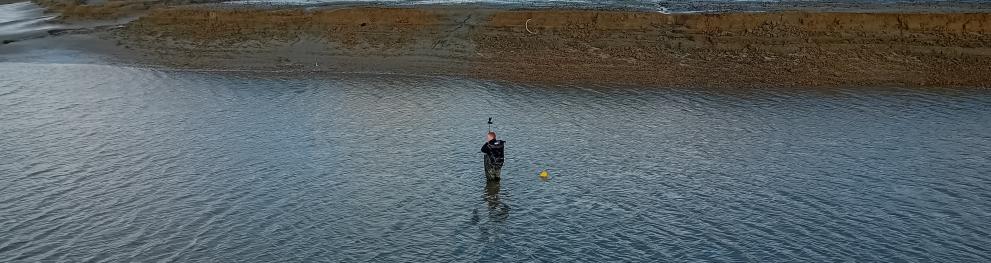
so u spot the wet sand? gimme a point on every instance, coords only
(786, 48)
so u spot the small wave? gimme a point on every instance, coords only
(23, 20)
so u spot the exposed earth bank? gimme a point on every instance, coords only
(788, 48)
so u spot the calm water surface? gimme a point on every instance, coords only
(112, 164)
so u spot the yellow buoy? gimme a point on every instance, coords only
(544, 174)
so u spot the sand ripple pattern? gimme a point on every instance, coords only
(110, 164)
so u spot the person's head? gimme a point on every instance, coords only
(490, 136)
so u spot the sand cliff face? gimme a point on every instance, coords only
(386, 28)
(581, 46)
(326, 39)
(757, 48)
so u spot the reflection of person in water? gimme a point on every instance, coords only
(498, 211)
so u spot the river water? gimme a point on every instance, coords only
(116, 164)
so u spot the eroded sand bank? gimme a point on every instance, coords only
(574, 46)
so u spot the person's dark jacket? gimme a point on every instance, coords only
(486, 148)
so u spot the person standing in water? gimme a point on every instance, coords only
(494, 157)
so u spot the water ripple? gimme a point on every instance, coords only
(124, 164)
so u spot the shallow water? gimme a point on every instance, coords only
(23, 20)
(102, 163)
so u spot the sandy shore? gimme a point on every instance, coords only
(786, 48)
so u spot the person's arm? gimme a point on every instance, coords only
(485, 148)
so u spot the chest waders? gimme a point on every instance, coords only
(494, 157)
(493, 160)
